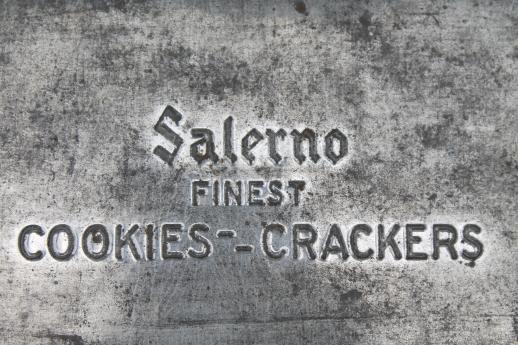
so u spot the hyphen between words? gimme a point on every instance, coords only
(176, 241)
(277, 241)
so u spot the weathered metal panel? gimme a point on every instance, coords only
(413, 107)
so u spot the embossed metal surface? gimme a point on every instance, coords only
(234, 172)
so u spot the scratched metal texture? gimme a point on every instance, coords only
(426, 91)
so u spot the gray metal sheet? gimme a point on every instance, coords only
(419, 96)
